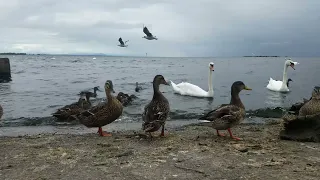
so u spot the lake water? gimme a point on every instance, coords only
(42, 84)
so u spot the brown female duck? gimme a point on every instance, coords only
(102, 115)
(227, 116)
(125, 99)
(303, 124)
(66, 112)
(156, 112)
(313, 105)
(91, 94)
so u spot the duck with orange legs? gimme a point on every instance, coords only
(228, 115)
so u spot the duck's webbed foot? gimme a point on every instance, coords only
(219, 134)
(103, 133)
(233, 137)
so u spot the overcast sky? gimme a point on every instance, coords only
(184, 27)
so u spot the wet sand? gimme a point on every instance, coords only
(189, 152)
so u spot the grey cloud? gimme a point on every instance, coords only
(184, 27)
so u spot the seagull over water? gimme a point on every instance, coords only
(149, 35)
(122, 44)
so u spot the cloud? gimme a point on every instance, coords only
(184, 27)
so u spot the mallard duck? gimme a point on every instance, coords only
(125, 99)
(66, 112)
(156, 112)
(313, 105)
(91, 94)
(138, 88)
(1, 111)
(102, 115)
(304, 125)
(227, 116)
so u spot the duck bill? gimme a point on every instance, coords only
(247, 88)
(292, 65)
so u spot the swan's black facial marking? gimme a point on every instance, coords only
(292, 65)
(211, 66)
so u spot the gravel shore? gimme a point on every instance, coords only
(189, 152)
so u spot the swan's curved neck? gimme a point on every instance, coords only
(285, 77)
(210, 81)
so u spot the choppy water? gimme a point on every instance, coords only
(41, 84)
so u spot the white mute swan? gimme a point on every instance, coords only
(188, 89)
(282, 86)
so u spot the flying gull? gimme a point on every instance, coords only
(149, 35)
(122, 44)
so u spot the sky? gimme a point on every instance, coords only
(201, 28)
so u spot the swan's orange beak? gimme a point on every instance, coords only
(211, 68)
(292, 65)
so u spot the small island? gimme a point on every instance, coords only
(12, 53)
(262, 56)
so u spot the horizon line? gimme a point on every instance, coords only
(115, 55)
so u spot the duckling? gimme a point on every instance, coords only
(227, 116)
(313, 105)
(104, 114)
(91, 94)
(66, 112)
(1, 111)
(138, 88)
(156, 112)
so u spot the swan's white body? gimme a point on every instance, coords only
(281, 86)
(188, 89)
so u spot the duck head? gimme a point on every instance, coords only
(239, 86)
(108, 86)
(96, 89)
(211, 66)
(316, 92)
(159, 79)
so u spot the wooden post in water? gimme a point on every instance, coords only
(5, 71)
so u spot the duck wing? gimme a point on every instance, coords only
(155, 114)
(224, 111)
(146, 31)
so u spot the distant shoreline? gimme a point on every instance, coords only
(9, 53)
(264, 56)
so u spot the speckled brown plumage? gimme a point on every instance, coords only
(156, 112)
(102, 115)
(66, 113)
(313, 105)
(227, 116)
(304, 126)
